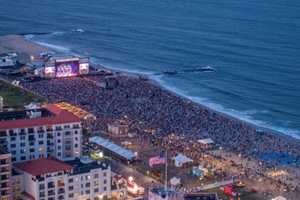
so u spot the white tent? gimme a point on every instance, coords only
(181, 159)
(279, 198)
(175, 181)
(206, 141)
(32, 106)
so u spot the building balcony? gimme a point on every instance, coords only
(5, 186)
(5, 171)
(51, 193)
(61, 191)
(50, 186)
(49, 129)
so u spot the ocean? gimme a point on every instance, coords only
(253, 47)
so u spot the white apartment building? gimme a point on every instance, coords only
(52, 179)
(42, 132)
(5, 175)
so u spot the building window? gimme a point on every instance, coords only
(96, 190)
(71, 195)
(104, 174)
(41, 186)
(104, 188)
(22, 144)
(67, 133)
(23, 157)
(66, 126)
(71, 188)
(31, 137)
(87, 185)
(104, 181)
(13, 145)
(51, 185)
(96, 176)
(71, 180)
(30, 130)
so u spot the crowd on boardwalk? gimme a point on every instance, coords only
(148, 106)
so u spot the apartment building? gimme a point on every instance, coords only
(53, 179)
(42, 132)
(5, 175)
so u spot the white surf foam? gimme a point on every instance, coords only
(55, 47)
(246, 116)
(29, 36)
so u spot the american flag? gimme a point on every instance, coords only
(156, 160)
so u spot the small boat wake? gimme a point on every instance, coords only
(78, 30)
(30, 35)
(189, 70)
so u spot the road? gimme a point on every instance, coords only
(126, 171)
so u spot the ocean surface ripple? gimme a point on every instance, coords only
(253, 46)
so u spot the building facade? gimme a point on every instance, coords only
(52, 179)
(5, 175)
(44, 132)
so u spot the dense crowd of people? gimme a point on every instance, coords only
(147, 105)
(165, 119)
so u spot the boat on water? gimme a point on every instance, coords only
(206, 69)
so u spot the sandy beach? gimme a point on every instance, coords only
(146, 105)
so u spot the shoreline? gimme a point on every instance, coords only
(148, 105)
(17, 42)
(251, 122)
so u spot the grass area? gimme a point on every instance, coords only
(16, 97)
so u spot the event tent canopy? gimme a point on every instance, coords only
(206, 141)
(125, 153)
(181, 159)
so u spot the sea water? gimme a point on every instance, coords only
(253, 47)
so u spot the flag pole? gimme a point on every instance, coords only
(166, 175)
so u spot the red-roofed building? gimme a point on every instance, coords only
(53, 179)
(42, 166)
(43, 132)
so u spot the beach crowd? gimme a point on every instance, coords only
(148, 106)
(174, 122)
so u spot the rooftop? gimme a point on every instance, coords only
(125, 153)
(82, 114)
(50, 114)
(80, 167)
(43, 166)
